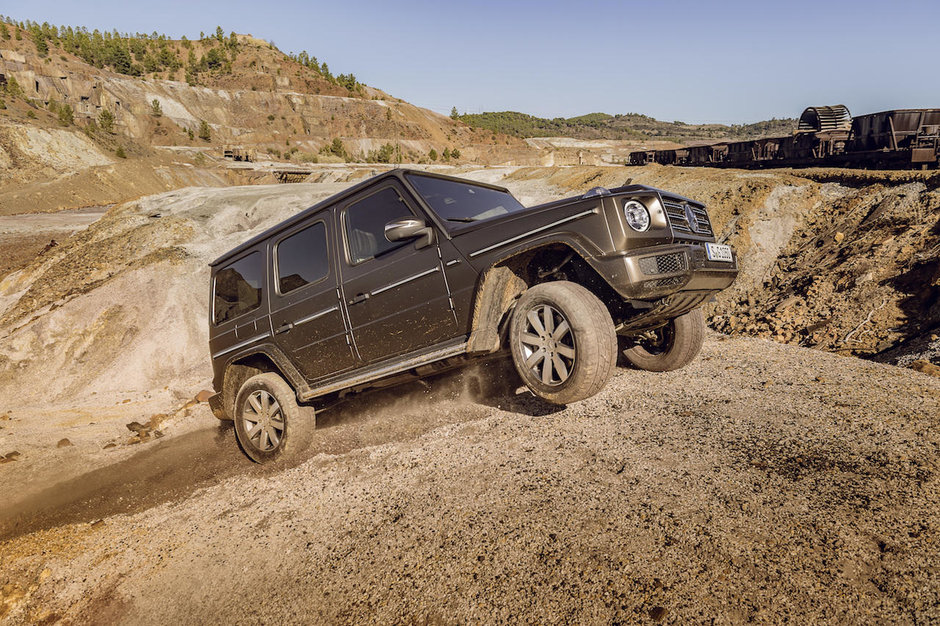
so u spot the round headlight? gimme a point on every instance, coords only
(637, 216)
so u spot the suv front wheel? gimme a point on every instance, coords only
(669, 347)
(562, 342)
(269, 423)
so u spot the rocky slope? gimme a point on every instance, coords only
(110, 325)
(116, 314)
(763, 483)
(262, 100)
(840, 260)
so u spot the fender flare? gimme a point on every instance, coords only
(501, 287)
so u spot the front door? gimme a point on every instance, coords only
(395, 292)
(306, 309)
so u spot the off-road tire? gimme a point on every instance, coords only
(678, 343)
(581, 356)
(291, 425)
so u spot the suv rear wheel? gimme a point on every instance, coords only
(269, 424)
(669, 347)
(562, 342)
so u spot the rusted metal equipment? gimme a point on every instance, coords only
(815, 119)
(295, 175)
(907, 136)
(238, 153)
(826, 136)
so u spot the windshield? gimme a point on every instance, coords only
(463, 203)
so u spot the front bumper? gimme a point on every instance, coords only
(653, 273)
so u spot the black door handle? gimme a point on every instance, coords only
(284, 328)
(362, 297)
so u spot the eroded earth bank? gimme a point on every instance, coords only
(775, 478)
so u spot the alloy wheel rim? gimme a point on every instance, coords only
(263, 421)
(548, 345)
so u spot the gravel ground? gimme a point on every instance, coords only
(763, 483)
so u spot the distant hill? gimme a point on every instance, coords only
(627, 126)
(142, 91)
(90, 117)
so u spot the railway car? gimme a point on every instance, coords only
(825, 136)
(899, 138)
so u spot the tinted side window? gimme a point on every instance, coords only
(238, 287)
(365, 224)
(302, 258)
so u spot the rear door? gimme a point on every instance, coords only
(238, 314)
(396, 293)
(306, 310)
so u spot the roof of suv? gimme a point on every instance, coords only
(397, 173)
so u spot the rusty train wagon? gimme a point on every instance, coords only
(900, 138)
(825, 136)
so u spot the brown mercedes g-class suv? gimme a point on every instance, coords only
(410, 273)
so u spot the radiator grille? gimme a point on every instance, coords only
(675, 210)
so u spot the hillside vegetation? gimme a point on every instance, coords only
(90, 117)
(621, 126)
(207, 60)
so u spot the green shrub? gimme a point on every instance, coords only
(106, 120)
(13, 88)
(385, 154)
(155, 109)
(336, 148)
(66, 115)
(119, 153)
(205, 133)
(432, 154)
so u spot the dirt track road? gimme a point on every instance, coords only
(763, 482)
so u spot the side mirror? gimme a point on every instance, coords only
(410, 228)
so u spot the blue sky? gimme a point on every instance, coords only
(695, 61)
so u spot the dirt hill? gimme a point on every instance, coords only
(845, 261)
(83, 133)
(762, 482)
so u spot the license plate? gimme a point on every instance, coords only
(718, 252)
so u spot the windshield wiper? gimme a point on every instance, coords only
(464, 220)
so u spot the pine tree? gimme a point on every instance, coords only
(66, 114)
(205, 133)
(106, 120)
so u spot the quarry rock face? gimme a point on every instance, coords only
(122, 307)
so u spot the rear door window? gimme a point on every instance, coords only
(238, 288)
(302, 258)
